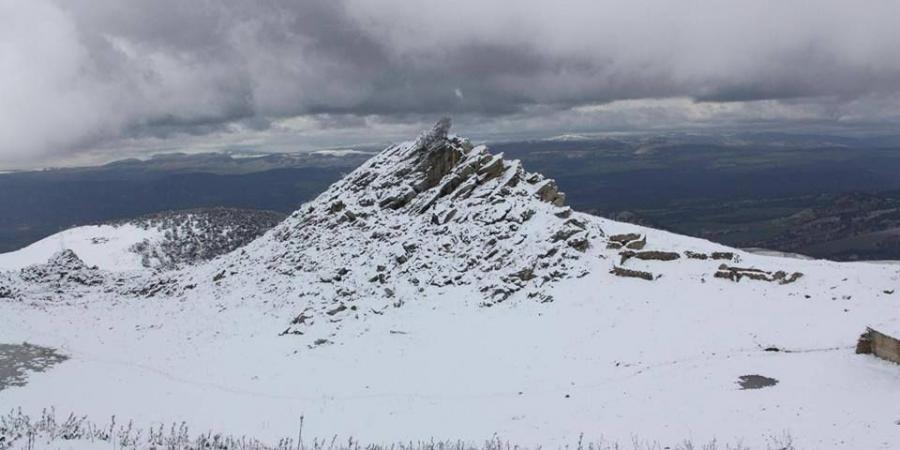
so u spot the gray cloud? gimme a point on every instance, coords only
(77, 75)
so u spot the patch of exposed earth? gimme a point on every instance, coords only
(18, 360)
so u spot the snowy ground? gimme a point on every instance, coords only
(611, 357)
(105, 246)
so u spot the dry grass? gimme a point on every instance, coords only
(20, 432)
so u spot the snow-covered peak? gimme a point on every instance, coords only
(432, 213)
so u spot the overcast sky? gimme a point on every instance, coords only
(89, 79)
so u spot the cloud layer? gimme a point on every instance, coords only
(77, 75)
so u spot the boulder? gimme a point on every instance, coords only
(650, 255)
(722, 256)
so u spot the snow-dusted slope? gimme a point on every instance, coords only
(422, 217)
(156, 241)
(441, 291)
(105, 246)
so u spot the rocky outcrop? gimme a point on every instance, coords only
(649, 255)
(628, 240)
(736, 274)
(432, 213)
(63, 269)
(696, 255)
(728, 256)
(629, 273)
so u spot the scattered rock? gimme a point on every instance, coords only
(618, 241)
(5, 291)
(628, 273)
(337, 206)
(549, 192)
(339, 308)
(737, 273)
(695, 255)
(580, 243)
(563, 213)
(650, 255)
(722, 256)
(755, 382)
(638, 244)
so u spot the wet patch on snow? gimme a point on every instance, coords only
(755, 382)
(17, 360)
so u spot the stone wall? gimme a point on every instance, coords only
(880, 345)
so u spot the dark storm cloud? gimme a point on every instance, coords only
(81, 73)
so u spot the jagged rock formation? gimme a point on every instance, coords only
(434, 212)
(421, 219)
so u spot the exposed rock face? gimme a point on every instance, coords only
(434, 212)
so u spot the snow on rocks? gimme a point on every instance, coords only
(63, 277)
(64, 269)
(191, 236)
(433, 213)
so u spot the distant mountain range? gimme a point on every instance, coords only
(742, 189)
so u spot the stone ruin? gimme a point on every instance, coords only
(736, 274)
(873, 342)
